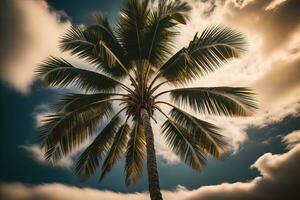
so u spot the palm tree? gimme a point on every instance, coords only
(132, 61)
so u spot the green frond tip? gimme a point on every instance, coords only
(116, 149)
(229, 101)
(70, 102)
(79, 43)
(215, 46)
(61, 133)
(161, 30)
(136, 148)
(131, 25)
(89, 160)
(58, 72)
(205, 134)
(182, 143)
(84, 43)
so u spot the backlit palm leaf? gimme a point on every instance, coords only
(82, 44)
(116, 150)
(89, 160)
(206, 53)
(62, 132)
(86, 44)
(131, 26)
(205, 134)
(182, 143)
(160, 31)
(135, 154)
(232, 101)
(72, 101)
(58, 72)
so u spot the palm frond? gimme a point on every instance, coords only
(61, 133)
(203, 133)
(59, 72)
(86, 44)
(182, 143)
(230, 101)
(214, 47)
(82, 44)
(160, 30)
(89, 160)
(131, 26)
(116, 150)
(135, 154)
(72, 101)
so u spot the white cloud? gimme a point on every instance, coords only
(30, 34)
(274, 4)
(38, 153)
(292, 139)
(279, 179)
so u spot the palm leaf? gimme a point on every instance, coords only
(160, 31)
(231, 101)
(116, 150)
(70, 102)
(135, 154)
(182, 143)
(205, 134)
(214, 47)
(86, 44)
(89, 160)
(80, 43)
(131, 26)
(58, 72)
(61, 133)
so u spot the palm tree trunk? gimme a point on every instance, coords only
(153, 180)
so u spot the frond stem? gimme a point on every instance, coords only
(161, 93)
(157, 86)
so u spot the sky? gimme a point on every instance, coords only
(265, 154)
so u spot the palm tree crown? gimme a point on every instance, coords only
(131, 61)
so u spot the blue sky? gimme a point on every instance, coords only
(272, 70)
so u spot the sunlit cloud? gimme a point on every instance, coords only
(292, 139)
(274, 4)
(30, 33)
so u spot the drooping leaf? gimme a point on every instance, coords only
(131, 26)
(212, 49)
(85, 43)
(80, 43)
(160, 31)
(61, 133)
(72, 101)
(205, 134)
(116, 150)
(59, 72)
(134, 163)
(182, 143)
(89, 160)
(230, 101)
